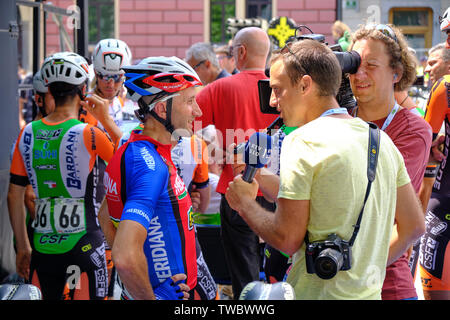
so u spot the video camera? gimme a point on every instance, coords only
(349, 62)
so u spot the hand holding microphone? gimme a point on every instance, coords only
(256, 154)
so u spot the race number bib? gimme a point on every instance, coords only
(41, 223)
(69, 215)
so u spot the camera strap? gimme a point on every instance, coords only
(372, 153)
(374, 146)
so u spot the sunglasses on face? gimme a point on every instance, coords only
(198, 64)
(107, 77)
(223, 57)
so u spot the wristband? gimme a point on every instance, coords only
(431, 171)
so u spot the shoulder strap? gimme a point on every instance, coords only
(372, 154)
(373, 150)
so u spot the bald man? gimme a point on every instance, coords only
(232, 105)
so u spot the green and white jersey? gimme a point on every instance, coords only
(60, 162)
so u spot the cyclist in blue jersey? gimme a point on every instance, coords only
(154, 246)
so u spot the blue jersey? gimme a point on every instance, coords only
(142, 185)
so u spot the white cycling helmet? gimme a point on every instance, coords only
(38, 83)
(65, 67)
(155, 75)
(110, 55)
(445, 20)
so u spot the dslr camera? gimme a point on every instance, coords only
(349, 62)
(325, 258)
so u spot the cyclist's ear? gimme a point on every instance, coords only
(160, 109)
(39, 100)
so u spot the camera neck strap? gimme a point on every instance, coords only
(372, 154)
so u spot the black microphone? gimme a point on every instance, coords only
(256, 154)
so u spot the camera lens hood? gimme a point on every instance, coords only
(328, 263)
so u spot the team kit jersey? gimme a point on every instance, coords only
(60, 161)
(142, 185)
(436, 114)
(434, 255)
(191, 159)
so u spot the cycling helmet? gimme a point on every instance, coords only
(155, 75)
(65, 67)
(110, 55)
(38, 83)
(445, 20)
(161, 78)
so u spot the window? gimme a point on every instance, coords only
(259, 9)
(415, 23)
(220, 12)
(101, 20)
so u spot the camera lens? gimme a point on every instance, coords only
(328, 263)
(349, 61)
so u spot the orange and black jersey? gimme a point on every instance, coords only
(437, 113)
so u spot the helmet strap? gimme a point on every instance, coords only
(168, 121)
(143, 111)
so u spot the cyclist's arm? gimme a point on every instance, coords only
(106, 224)
(17, 217)
(427, 183)
(425, 192)
(98, 143)
(437, 106)
(144, 186)
(200, 180)
(204, 197)
(130, 260)
(436, 111)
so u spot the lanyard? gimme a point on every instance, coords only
(334, 111)
(389, 118)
